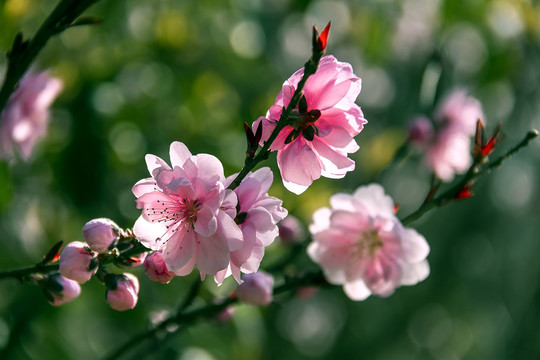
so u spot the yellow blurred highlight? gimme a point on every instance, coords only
(379, 151)
(16, 8)
(172, 29)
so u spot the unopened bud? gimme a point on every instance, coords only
(125, 295)
(256, 289)
(60, 290)
(76, 261)
(156, 269)
(100, 234)
(291, 230)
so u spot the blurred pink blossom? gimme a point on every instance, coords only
(100, 234)
(291, 230)
(449, 150)
(181, 213)
(321, 136)
(362, 245)
(257, 216)
(76, 262)
(125, 295)
(70, 289)
(449, 154)
(156, 269)
(256, 289)
(461, 112)
(25, 118)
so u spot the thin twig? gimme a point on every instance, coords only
(474, 173)
(23, 53)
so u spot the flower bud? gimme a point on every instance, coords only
(60, 290)
(291, 230)
(156, 269)
(256, 289)
(100, 234)
(77, 262)
(122, 291)
(420, 131)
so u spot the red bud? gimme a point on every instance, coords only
(320, 39)
(464, 193)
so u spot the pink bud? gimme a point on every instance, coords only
(124, 296)
(100, 234)
(421, 131)
(76, 262)
(62, 290)
(256, 289)
(156, 269)
(291, 230)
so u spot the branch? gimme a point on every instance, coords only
(310, 67)
(23, 53)
(473, 174)
(184, 318)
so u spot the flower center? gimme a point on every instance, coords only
(369, 242)
(188, 210)
(303, 122)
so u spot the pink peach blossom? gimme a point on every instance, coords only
(156, 269)
(448, 151)
(362, 245)
(316, 140)
(64, 290)
(449, 154)
(125, 295)
(461, 112)
(76, 262)
(257, 216)
(256, 289)
(25, 118)
(100, 234)
(181, 212)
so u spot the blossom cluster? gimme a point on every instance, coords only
(192, 219)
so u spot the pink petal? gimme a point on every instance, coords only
(179, 250)
(228, 229)
(149, 234)
(375, 201)
(414, 273)
(357, 290)
(334, 164)
(415, 247)
(299, 166)
(212, 254)
(179, 153)
(153, 162)
(144, 186)
(206, 224)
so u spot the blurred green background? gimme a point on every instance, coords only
(158, 71)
